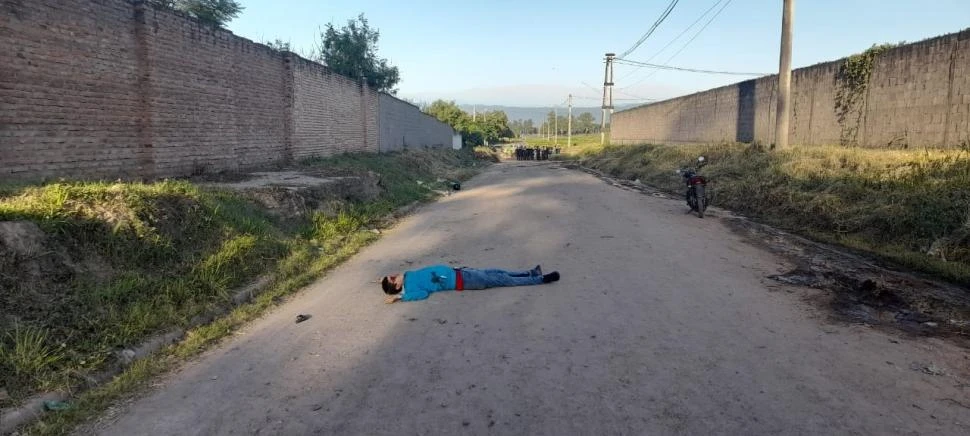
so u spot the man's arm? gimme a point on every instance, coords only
(413, 295)
(392, 299)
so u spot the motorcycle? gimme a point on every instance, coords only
(696, 184)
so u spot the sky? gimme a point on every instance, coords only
(535, 53)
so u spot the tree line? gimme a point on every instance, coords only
(484, 128)
(582, 124)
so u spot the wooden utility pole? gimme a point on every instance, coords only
(569, 130)
(607, 94)
(784, 78)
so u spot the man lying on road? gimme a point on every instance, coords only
(418, 284)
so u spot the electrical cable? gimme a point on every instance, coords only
(688, 43)
(663, 16)
(698, 20)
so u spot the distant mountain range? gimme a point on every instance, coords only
(536, 114)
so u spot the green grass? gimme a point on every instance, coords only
(164, 253)
(910, 207)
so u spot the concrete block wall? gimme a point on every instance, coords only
(116, 88)
(918, 95)
(403, 125)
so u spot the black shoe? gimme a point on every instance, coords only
(551, 277)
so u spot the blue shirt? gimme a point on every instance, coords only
(420, 283)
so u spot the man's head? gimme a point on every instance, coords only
(392, 284)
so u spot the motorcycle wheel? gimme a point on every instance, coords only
(701, 200)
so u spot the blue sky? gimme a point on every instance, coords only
(534, 53)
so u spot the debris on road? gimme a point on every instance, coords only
(302, 317)
(930, 369)
(56, 405)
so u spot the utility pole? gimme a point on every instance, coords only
(784, 77)
(569, 130)
(607, 94)
(555, 116)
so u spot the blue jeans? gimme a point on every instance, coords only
(493, 278)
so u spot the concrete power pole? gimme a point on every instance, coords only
(607, 94)
(548, 129)
(784, 78)
(569, 129)
(555, 117)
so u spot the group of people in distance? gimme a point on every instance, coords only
(534, 153)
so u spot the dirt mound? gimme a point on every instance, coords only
(291, 194)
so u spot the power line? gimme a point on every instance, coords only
(675, 38)
(633, 96)
(689, 70)
(579, 97)
(688, 43)
(663, 16)
(699, 31)
(590, 86)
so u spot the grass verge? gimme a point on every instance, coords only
(910, 207)
(138, 259)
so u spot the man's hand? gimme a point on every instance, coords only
(392, 299)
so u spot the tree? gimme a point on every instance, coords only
(489, 127)
(585, 123)
(352, 51)
(495, 124)
(215, 12)
(447, 112)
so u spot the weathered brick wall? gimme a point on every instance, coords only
(69, 100)
(403, 125)
(216, 100)
(332, 114)
(115, 88)
(918, 95)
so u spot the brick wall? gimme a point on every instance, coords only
(403, 125)
(115, 88)
(918, 95)
(332, 114)
(69, 100)
(216, 100)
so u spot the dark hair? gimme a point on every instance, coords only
(389, 288)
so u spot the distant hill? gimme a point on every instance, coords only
(536, 114)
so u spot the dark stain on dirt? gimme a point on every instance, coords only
(864, 291)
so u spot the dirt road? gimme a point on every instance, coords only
(662, 324)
